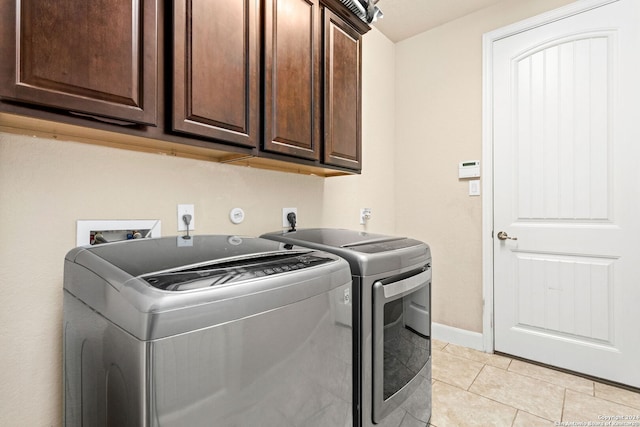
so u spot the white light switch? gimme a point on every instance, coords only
(474, 187)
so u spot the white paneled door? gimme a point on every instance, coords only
(566, 141)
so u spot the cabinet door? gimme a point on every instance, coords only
(342, 89)
(292, 77)
(215, 67)
(92, 57)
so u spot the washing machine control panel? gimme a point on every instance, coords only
(384, 246)
(234, 271)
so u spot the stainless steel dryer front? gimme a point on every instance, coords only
(223, 331)
(392, 322)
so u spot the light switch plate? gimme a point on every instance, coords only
(474, 187)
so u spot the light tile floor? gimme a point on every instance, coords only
(472, 388)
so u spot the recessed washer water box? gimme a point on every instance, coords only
(113, 230)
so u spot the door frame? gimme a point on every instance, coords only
(488, 332)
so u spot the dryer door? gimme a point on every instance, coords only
(402, 338)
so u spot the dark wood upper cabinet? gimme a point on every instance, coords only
(216, 70)
(292, 97)
(265, 82)
(342, 89)
(92, 57)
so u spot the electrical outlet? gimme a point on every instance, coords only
(365, 215)
(186, 210)
(285, 212)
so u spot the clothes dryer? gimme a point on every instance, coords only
(391, 321)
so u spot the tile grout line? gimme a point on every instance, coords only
(522, 375)
(479, 361)
(564, 402)
(490, 399)
(506, 404)
(515, 416)
(552, 383)
(476, 376)
(548, 382)
(498, 402)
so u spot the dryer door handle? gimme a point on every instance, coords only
(403, 287)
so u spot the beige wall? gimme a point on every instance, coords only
(375, 187)
(439, 124)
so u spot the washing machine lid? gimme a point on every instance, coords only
(155, 288)
(145, 256)
(367, 253)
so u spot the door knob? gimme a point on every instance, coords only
(504, 236)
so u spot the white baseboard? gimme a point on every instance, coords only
(457, 336)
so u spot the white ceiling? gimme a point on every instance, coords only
(406, 18)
